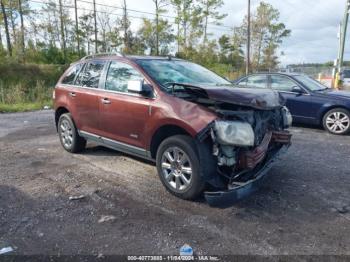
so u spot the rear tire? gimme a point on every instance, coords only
(68, 134)
(178, 167)
(337, 121)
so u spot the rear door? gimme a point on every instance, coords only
(300, 104)
(123, 115)
(84, 97)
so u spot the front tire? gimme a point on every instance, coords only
(178, 167)
(337, 121)
(68, 134)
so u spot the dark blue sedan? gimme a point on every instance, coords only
(309, 101)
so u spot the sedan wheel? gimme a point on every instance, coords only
(337, 121)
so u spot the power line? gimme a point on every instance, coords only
(144, 12)
(220, 27)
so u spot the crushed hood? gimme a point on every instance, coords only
(263, 99)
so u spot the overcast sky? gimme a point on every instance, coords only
(314, 25)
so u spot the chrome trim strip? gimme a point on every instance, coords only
(116, 145)
(293, 93)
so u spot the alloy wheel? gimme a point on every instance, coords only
(338, 122)
(176, 168)
(66, 133)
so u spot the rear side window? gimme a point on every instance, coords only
(258, 81)
(71, 74)
(118, 76)
(90, 76)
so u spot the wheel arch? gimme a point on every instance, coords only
(162, 133)
(60, 111)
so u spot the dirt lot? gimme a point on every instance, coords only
(303, 207)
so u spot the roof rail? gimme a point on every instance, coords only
(101, 54)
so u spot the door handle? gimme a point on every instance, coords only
(105, 101)
(72, 94)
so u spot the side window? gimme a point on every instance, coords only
(71, 74)
(259, 81)
(282, 83)
(118, 76)
(90, 76)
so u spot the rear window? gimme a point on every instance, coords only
(71, 74)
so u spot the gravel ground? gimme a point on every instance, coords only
(303, 207)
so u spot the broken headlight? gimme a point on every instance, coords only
(287, 117)
(234, 133)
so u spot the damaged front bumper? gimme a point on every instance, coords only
(228, 197)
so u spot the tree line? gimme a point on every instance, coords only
(61, 31)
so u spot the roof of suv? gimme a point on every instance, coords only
(130, 57)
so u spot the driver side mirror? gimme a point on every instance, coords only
(297, 90)
(138, 87)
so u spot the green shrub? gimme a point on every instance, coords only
(30, 84)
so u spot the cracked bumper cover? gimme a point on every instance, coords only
(229, 197)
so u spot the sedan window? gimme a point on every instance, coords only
(118, 76)
(282, 83)
(257, 81)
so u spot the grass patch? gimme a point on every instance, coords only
(27, 87)
(23, 107)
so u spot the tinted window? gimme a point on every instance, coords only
(282, 83)
(71, 74)
(258, 81)
(118, 76)
(91, 74)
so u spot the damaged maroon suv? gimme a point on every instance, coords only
(204, 134)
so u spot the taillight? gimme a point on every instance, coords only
(53, 94)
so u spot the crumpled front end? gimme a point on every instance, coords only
(245, 143)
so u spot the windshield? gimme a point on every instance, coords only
(178, 71)
(310, 83)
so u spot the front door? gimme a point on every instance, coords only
(299, 103)
(123, 115)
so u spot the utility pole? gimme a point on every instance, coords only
(22, 29)
(95, 26)
(125, 27)
(248, 41)
(343, 35)
(63, 38)
(76, 26)
(156, 2)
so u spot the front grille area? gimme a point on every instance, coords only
(250, 159)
